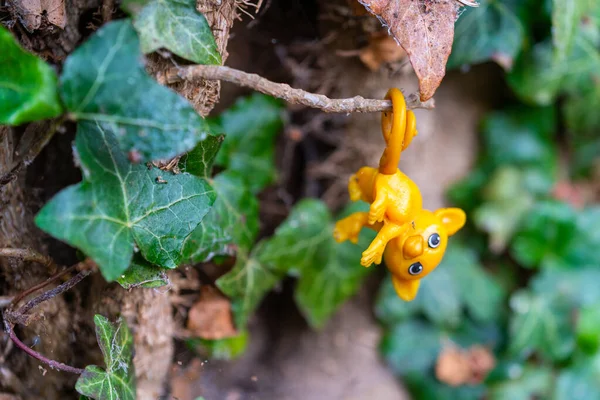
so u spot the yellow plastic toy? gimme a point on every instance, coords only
(411, 240)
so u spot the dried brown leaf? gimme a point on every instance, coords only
(425, 29)
(457, 367)
(210, 317)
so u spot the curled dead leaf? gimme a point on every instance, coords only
(457, 367)
(210, 317)
(425, 29)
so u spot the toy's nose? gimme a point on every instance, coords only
(413, 247)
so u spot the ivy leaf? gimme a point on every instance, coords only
(580, 381)
(104, 80)
(117, 381)
(547, 232)
(527, 383)
(588, 328)
(221, 349)
(200, 160)
(542, 325)
(425, 30)
(566, 18)
(28, 89)
(246, 285)
(492, 31)
(250, 126)
(507, 199)
(143, 274)
(231, 225)
(119, 205)
(177, 26)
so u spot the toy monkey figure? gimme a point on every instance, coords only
(411, 240)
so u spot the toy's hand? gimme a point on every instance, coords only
(377, 212)
(373, 254)
(347, 229)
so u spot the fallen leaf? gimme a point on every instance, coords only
(210, 317)
(32, 12)
(425, 29)
(457, 367)
(382, 49)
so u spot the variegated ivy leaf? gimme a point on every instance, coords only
(117, 381)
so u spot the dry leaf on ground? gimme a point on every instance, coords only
(210, 317)
(457, 367)
(425, 29)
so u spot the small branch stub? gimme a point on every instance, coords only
(286, 92)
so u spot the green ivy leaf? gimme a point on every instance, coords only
(566, 18)
(104, 80)
(523, 137)
(28, 90)
(580, 381)
(177, 26)
(117, 381)
(588, 328)
(246, 284)
(401, 354)
(425, 387)
(526, 383)
(119, 205)
(492, 31)
(231, 225)
(222, 349)
(542, 325)
(547, 232)
(507, 200)
(330, 273)
(200, 160)
(143, 274)
(250, 126)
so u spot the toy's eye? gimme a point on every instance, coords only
(415, 269)
(434, 240)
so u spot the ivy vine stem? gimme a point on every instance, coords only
(357, 104)
(51, 363)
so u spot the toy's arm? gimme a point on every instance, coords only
(374, 253)
(349, 228)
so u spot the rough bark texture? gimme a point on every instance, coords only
(23, 375)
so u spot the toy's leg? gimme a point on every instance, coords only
(378, 207)
(349, 228)
(374, 252)
(405, 289)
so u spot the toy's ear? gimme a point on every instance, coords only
(406, 290)
(452, 218)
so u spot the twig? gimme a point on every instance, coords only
(287, 93)
(28, 255)
(52, 293)
(39, 286)
(52, 363)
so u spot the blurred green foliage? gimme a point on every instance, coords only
(523, 278)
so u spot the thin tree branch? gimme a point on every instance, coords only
(39, 286)
(287, 93)
(28, 255)
(51, 363)
(52, 293)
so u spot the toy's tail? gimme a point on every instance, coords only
(399, 126)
